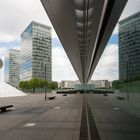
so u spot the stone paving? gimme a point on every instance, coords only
(112, 121)
(32, 118)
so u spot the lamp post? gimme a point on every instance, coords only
(1, 63)
(127, 79)
(128, 61)
(45, 67)
(45, 84)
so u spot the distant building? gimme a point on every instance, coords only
(12, 67)
(96, 84)
(129, 47)
(68, 84)
(100, 83)
(36, 52)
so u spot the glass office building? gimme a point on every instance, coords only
(129, 47)
(36, 52)
(12, 67)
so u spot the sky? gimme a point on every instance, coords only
(15, 15)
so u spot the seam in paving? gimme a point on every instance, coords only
(94, 135)
(84, 127)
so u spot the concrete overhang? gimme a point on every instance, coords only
(84, 28)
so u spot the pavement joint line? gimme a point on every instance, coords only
(66, 102)
(105, 102)
(116, 108)
(57, 107)
(29, 124)
(13, 108)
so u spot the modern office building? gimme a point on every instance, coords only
(12, 67)
(36, 52)
(129, 47)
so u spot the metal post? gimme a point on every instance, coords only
(127, 80)
(45, 84)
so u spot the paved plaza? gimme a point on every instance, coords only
(33, 118)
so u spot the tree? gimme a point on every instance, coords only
(116, 84)
(21, 84)
(53, 85)
(34, 83)
(24, 85)
(41, 83)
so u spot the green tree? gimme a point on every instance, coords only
(21, 84)
(41, 83)
(34, 83)
(53, 85)
(24, 85)
(117, 84)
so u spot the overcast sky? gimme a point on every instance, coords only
(15, 15)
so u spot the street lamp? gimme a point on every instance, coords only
(45, 66)
(128, 61)
(127, 79)
(1, 63)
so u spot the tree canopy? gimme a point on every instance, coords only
(37, 83)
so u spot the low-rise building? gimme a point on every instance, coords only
(97, 84)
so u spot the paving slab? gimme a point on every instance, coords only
(35, 119)
(112, 121)
(60, 119)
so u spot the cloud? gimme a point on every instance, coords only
(61, 66)
(3, 50)
(6, 38)
(107, 67)
(131, 7)
(3, 53)
(16, 15)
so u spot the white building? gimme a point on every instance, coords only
(12, 67)
(68, 84)
(98, 84)
(36, 52)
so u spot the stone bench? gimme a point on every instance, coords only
(51, 97)
(4, 107)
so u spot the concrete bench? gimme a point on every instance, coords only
(64, 94)
(51, 97)
(4, 107)
(121, 97)
(105, 94)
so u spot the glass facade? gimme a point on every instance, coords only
(129, 47)
(12, 67)
(36, 52)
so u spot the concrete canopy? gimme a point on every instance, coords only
(84, 28)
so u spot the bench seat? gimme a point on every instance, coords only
(4, 107)
(51, 97)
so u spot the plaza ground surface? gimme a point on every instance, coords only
(32, 118)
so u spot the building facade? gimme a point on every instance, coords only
(100, 83)
(95, 83)
(129, 47)
(12, 67)
(36, 52)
